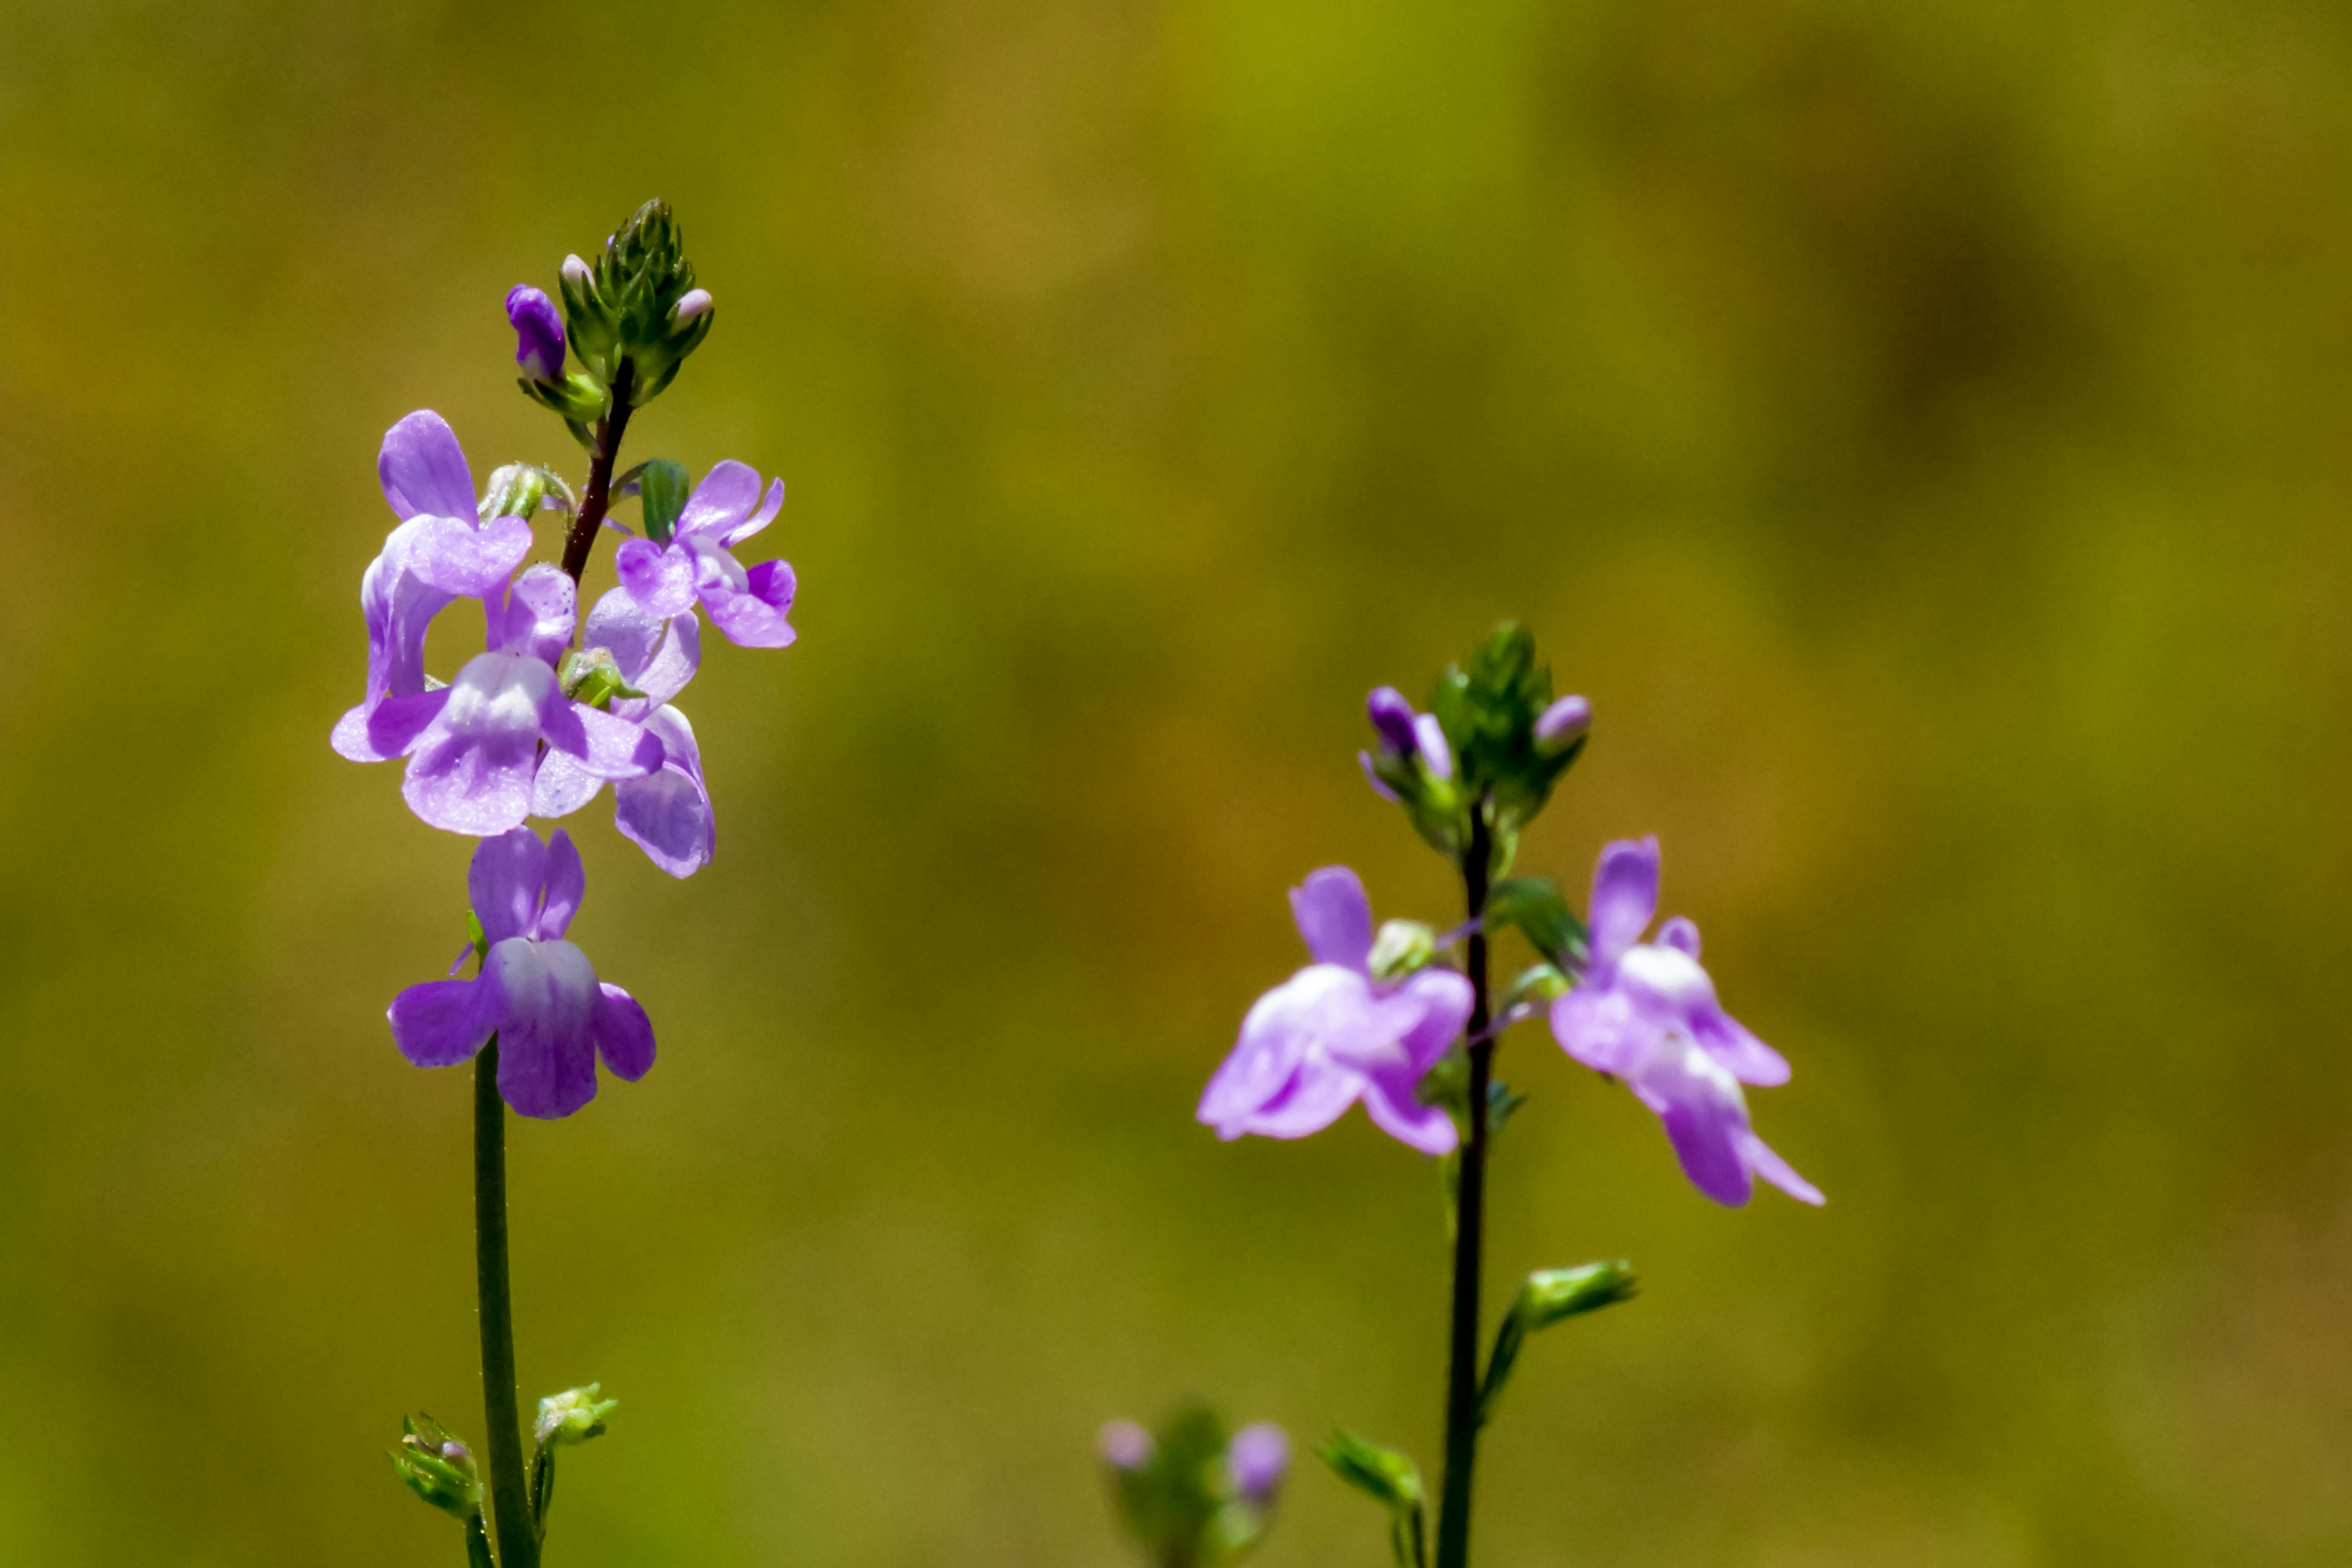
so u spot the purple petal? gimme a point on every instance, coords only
(389, 730)
(1747, 1058)
(1705, 1116)
(1364, 759)
(1625, 895)
(1262, 1063)
(442, 1022)
(1775, 1170)
(721, 501)
(547, 1048)
(1681, 933)
(458, 557)
(1334, 917)
(668, 813)
(465, 784)
(422, 469)
(1257, 1459)
(1563, 721)
(1445, 999)
(1600, 1026)
(758, 520)
(534, 615)
(658, 656)
(1429, 735)
(539, 332)
(1392, 718)
(567, 884)
(1395, 1110)
(561, 785)
(659, 579)
(604, 745)
(504, 884)
(752, 616)
(625, 1036)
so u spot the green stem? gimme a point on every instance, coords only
(510, 1509)
(1461, 1379)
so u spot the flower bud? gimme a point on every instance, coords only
(1563, 724)
(690, 304)
(574, 269)
(1435, 754)
(437, 1467)
(539, 332)
(1125, 1446)
(1391, 716)
(1257, 1460)
(574, 1416)
(1401, 947)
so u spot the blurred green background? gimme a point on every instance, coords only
(1920, 431)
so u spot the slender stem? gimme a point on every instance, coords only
(1469, 1225)
(598, 500)
(509, 1509)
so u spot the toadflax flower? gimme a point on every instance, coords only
(1647, 1013)
(1404, 736)
(1331, 1035)
(665, 812)
(697, 562)
(536, 991)
(475, 746)
(1256, 1460)
(441, 552)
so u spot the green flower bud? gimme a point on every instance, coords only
(592, 676)
(1550, 1296)
(1401, 947)
(574, 1416)
(520, 490)
(437, 1467)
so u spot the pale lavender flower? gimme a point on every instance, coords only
(1125, 1446)
(539, 332)
(1256, 1460)
(1563, 723)
(537, 992)
(665, 812)
(1331, 1035)
(440, 551)
(698, 561)
(1647, 1013)
(475, 746)
(690, 304)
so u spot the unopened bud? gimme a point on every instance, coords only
(690, 304)
(1391, 717)
(1401, 947)
(574, 1416)
(539, 332)
(574, 269)
(1563, 724)
(437, 1467)
(1435, 754)
(1257, 1461)
(1125, 1446)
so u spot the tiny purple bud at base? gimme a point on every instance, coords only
(575, 269)
(690, 304)
(539, 332)
(1391, 717)
(1563, 722)
(1125, 1446)
(1258, 1457)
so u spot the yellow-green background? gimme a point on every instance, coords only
(1922, 431)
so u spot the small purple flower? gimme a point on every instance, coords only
(475, 746)
(1257, 1460)
(539, 332)
(698, 561)
(1330, 1035)
(1563, 723)
(441, 552)
(537, 992)
(690, 304)
(1647, 1013)
(1124, 1446)
(1405, 733)
(665, 812)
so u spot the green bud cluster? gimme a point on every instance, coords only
(1180, 1505)
(621, 313)
(1487, 706)
(575, 1415)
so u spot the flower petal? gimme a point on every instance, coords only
(603, 744)
(422, 469)
(468, 783)
(390, 728)
(442, 1022)
(658, 656)
(723, 500)
(668, 813)
(547, 1049)
(625, 1036)
(1625, 895)
(534, 615)
(1777, 1171)
(754, 614)
(1600, 1026)
(659, 579)
(504, 883)
(567, 884)
(1445, 1000)
(1681, 933)
(1334, 917)
(772, 504)
(1395, 1110)
(1749, 1060)
(561, 785)
(458, 557)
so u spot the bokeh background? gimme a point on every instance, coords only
(1921, 432)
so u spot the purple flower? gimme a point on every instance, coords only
(537, 992)
(1328, 1036)
(665, 811)
(1647, 1013)
(1256, 1460)
(1125, 1446)
(440, 551)
(1402, 734)
(690, 304)
(698, 561)
(1563, 723)
(539, 332)
(475, 746)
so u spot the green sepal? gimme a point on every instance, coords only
(1535, 905)
(1538, 984)
(579, 398)
(1389, 1479)
(621, 316)
(1402, 948)
(436, 1466)
(662, 490)
(594, 677)
(1550, 1296)
(1487, 706)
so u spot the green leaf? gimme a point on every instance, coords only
(1536, 905)
(1389, 1479)
(662, 488)
(1550, 1296)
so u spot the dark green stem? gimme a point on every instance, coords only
(510, 1509)
(597, 500)
(1461, 1378)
